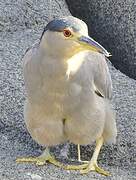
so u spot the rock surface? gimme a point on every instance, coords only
(15, 140)
(113, 24)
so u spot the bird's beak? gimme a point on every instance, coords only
(89, 43)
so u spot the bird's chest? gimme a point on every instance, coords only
(55, 88)
(61, 93)
(61, 87)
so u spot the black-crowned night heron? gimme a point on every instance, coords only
(68, 92)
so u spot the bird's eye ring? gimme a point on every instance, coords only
(67, 33)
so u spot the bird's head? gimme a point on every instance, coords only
(67, 36)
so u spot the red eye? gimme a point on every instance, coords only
(67, 33)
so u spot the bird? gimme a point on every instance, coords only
(68, 92)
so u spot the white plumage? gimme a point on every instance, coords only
(54, 96)
(68, 87)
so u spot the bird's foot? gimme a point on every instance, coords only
(41, 160)
(92, 166)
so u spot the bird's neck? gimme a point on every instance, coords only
(52, 64)
(59, 64)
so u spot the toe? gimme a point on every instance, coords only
(85, 162)
(27, 159)
(101, 171)
(75, 167)
(94, 167)
(40, 162)
(37, 160)
(87, 169)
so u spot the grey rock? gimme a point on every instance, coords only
(113, 24)
(14, 138)
(18, 14)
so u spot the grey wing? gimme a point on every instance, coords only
(101, 75)
(32, 77)
(29, 53)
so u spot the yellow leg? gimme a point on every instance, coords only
(92, 166)
(79, 155)
(77, 167)
(41, 160)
